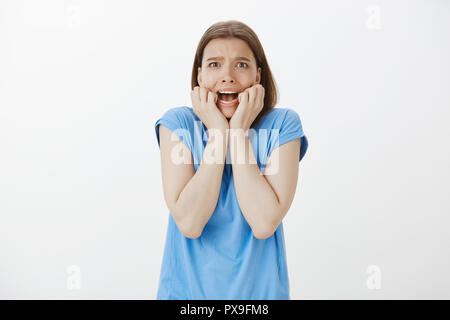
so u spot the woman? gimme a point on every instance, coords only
(226, 199)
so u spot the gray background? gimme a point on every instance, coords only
(82, 213)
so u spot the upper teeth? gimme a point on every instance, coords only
(227, 92)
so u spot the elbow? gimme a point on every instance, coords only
(190, 231)
(266, 227)
(191, 235)
(265, 230)
(262, 236)
(187, 228)
(263, 233)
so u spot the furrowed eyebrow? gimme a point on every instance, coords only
(237, 58)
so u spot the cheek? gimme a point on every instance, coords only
(208, 78)
(246, 77)
(245, 83)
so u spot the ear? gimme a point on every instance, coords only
(199, 76)
(258, 75)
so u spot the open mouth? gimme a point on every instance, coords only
(227, 97)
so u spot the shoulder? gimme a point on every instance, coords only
(284, 125)
(179, 117)
(277, 118)
(180, 113)
(180, 120)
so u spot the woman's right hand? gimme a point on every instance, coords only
(204, 106)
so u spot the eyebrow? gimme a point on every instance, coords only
(237, 58)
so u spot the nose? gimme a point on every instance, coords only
(227, 75)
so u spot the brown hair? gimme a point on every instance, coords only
(237, 29)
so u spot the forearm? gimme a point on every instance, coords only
(198, 200)
(258, 201)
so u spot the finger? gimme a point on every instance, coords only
(243, 96)
(252, 94)
(262, 93)
(203, 95)
(195, 95)
(193, 91)
(258, 88)
(211, 98)
(259, 91)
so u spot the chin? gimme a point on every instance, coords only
(228, 113)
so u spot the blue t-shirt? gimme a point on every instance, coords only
(227, 261)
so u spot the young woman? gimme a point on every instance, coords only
(226, 199)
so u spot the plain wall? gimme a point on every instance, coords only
(82, 213)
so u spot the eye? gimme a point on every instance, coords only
(211, 64)
(243, 63)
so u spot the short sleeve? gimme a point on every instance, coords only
(175, 120)
(291, 128)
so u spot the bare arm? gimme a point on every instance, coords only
(192, 195)
(264, 199)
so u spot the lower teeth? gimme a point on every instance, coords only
(223, 101)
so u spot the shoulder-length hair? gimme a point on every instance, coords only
(237, 29)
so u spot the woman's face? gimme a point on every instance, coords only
(228, 64)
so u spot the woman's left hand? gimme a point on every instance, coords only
(251, 102)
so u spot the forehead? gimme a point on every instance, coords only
(227, 48)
